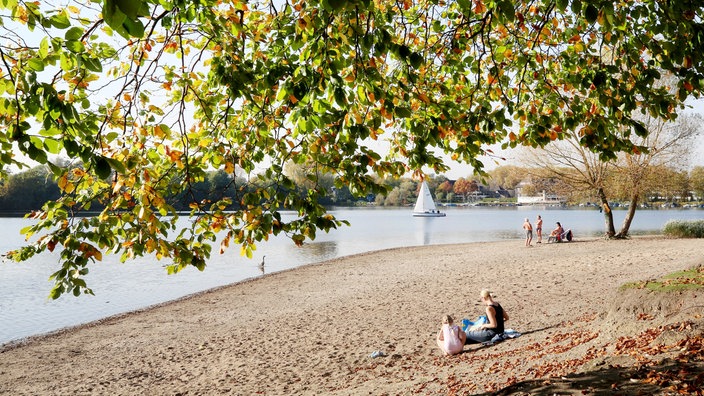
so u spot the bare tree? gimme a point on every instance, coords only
(669, 145)
(577, 167)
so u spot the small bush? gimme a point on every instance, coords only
(684, 229)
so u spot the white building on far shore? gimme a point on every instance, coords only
(543, 199)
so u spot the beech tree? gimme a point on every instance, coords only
(148, 95)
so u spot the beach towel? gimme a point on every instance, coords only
(467, 324)
(507, 334)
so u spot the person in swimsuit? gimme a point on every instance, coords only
(450, 338)
(529, 231)
(539, 229)
(496, 316)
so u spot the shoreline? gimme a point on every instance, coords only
(17, 343)
(311, 329)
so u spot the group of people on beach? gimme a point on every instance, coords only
(528, 228)
(451, 338)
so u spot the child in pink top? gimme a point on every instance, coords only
(450, 338)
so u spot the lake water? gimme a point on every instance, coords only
(25, 309)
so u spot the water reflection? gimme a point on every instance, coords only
(316, 251)
(424, 229)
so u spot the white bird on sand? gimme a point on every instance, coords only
(261, 265)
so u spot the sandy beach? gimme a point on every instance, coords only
(311, 330)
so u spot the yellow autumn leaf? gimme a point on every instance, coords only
(158, 132)
(62, 182)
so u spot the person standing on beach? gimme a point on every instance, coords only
(539, 228)
(529, 231)
(496, 317)
(450, 338)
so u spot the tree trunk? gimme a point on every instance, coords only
(623, 233)
(608, 216)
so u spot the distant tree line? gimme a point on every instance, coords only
(26, 191)
(29, 190)
(663, 184)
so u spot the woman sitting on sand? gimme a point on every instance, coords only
(557, 232)
(450, 338)
(496, 316)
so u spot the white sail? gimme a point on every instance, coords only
(425, 206)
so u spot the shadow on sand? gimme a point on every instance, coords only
(668, 377)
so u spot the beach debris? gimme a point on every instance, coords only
(377, 354)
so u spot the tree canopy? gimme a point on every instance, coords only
(149, 95)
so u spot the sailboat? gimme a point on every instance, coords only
(425, 206)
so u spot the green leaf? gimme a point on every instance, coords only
(68, 61)
(134, 28)
(73, 34)
(416, 60)
(56, 291)
(34, 153)
(60, 20)
(334, 5)
(402, 112)
(340, 97)
(113, 16)
(133, 8)
(92, 64)
(53, 145)
(44, 48)
(591, 13)
(507, 10)
(35, 64)
(116, 165)
(577, 7)
(465, 6)
(75, 46)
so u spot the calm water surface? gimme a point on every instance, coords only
(26, 311)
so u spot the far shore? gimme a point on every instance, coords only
(311, 330)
